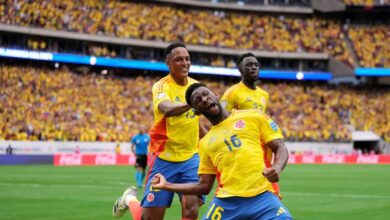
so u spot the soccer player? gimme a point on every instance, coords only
(139, 146)
(247, 95)
(231, 152)
(174, 142)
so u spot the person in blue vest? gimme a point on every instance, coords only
(139, 146)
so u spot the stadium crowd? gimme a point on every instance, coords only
(46, 104)
(199, 27)
(371, 45)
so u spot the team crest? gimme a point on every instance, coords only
(240, 124)
(150, 197)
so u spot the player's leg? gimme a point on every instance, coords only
(190, 205)
(138, 172)
(121, 205)
(143, 164)
(156, 201)
(189, 174)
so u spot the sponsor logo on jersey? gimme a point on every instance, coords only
(240, 124)
(177, 99)
(280, 211)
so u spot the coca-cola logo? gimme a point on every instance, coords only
(132, 159)
(308, 159)
(371, 159)
(105, 159)
(333, 159)
(70, 159)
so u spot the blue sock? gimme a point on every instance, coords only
(138, 178)
(142, 177)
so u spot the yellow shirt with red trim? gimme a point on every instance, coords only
(239, 96)
(174, 138)
(232, 150)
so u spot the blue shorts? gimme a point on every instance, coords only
(265, 206)
(174, 172)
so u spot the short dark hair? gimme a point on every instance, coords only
(172, 46)
(191, 89)
(243, 56)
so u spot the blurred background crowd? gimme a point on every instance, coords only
(224, 29)
(42, 103)
(58, 104)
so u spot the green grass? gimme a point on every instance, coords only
(310, 192)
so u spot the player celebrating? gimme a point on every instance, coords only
(246, 95)
(139, 146)
(174, 143)
(231, 152)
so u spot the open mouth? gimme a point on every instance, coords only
(213, 108)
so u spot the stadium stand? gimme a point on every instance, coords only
(46, 104)
(371, 45)
(62, 105)
(263, 32)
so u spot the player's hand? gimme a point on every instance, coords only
(271, 174)
(158, 181)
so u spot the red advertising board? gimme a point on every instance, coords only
(117, 159)
(339, 159)
(93, 159)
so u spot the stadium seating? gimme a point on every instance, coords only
(198, 27)
(371, 45)
(44, 104)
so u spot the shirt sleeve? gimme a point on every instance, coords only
(227, 101)
(206, 166)
(269, 130)
(160, 93)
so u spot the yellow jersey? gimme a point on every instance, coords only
(174, 138)
(239, 96)
(232, 150)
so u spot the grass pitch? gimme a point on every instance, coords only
(310, 192)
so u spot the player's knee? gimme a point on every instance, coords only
(190, 211)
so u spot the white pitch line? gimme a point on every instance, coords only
(60, 185)
(356, 196)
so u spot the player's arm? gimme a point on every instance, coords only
(170, 109)
(202, 187)
(281, 157)
(132, 147)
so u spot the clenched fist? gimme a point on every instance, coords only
(158, 181)
(271, 174)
